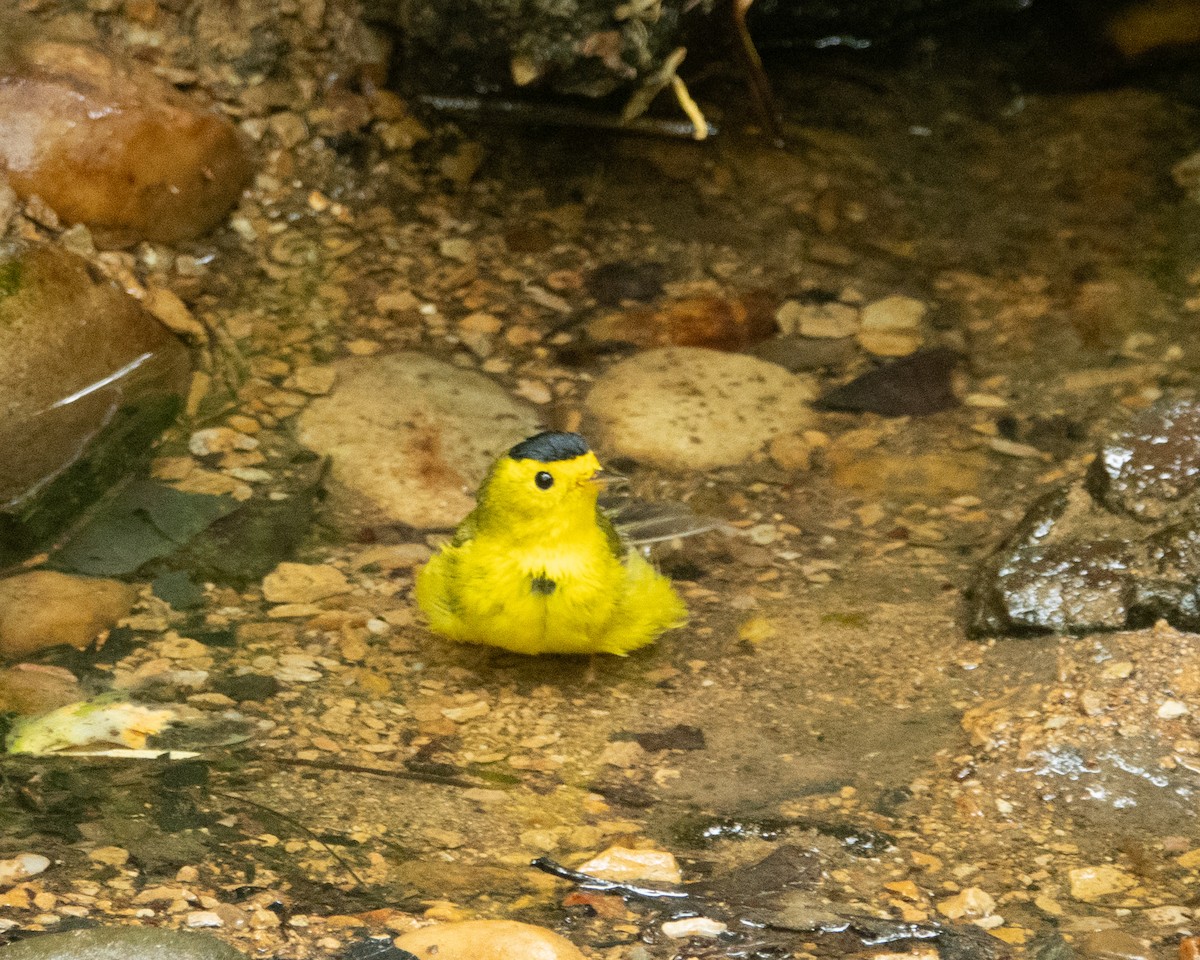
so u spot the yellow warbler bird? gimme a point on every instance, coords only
(538, 567)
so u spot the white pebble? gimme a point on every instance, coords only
(21, 867)
(693, 927)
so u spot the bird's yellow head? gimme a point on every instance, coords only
(549, 480)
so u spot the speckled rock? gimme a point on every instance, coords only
(122, 943)
(111, 145)
(45, 609)
(693, 409)
(1149, 466)
(488, 940)
(89, 374)
(412, 435)
(1119, 549)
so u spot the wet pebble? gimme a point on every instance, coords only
(1096, 883)
(623, 864)
(694, 409)
(413, 436)
(1113, 945)
(28, 689)
(21, 867)
(971, 903)
(303, 583)
(487, 940)
(817, 320)
(693, 927)
(44, 608)
(891, 327)
(916, 385)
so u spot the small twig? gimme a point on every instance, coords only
(588, 882)
(295, 823)
(561, 115)
(689, 107)
(434, 778)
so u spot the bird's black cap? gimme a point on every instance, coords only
(550, 446)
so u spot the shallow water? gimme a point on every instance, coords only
(1045, 230)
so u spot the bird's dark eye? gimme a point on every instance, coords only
(544, 480)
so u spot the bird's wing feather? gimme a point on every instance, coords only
(465, 530)
(639, 523)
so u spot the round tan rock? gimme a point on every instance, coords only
(109, 144)
(413, 435)
(686, 408)
(44, 609)
(303, 583)
(488, 940)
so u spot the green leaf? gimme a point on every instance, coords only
(143, 522)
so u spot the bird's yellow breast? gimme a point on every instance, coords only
(537, 569)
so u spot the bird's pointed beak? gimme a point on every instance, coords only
(607, 478)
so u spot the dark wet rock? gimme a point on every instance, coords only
(111, 145)
(374, 950)
(919, 384)
(1058, 435)
(89, 374)
(247, 686)
(144, 521)
(1119, 549)
(1050, 946)
(178, 589)
(613, 283)
(122, 943)
(678, 737)
(783, 869)
(579, 48)
(243, 545)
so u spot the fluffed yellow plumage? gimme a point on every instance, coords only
(537, 567)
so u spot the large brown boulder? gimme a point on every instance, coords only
(88, 379)
(110, 145)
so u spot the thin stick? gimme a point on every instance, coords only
(295, 823)
(588, 882)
